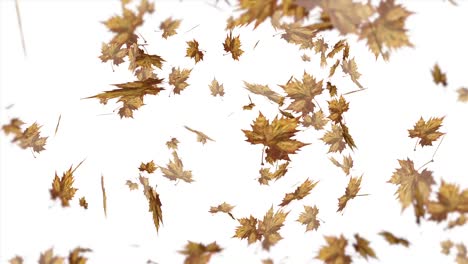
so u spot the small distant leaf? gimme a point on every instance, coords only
(352, 189)
(427, 131)
(198, 253)
(363, 248)
(216, 88)
(346, 165)
(459, 221)
(178, 79)
(104, 197)
(340, 45)
(337, 107)
(83, 203)
(48, 258)
(462, 94)
(132, 185)
(249, 106)
(334, 138)
(62, 187)
(304, 57)
(169, 27)
(172, 144)
(223, 208)
(201, 137)
(350, 67)
(75, 256)
(302, 191)
(232, 45)
(331, 88)
(175, 170)
(265, 91)
(309, 218)
(393, 240)
(154, 206)
(438, 76)
(331, 73)
(446, 245)
(334, 252)
(193, 51)
(303, 93)
(266, 176)
(149, 167)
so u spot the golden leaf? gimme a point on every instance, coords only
(276, 137)
(334, 252)
(29, 138)
(317, 120)
(363, 248)
(350, 67)
(334, 138)
(193, 51)
(216, 88)
(462, 94)
(393, 240)
(179, 79)
(298, 34)
(114, 52)
(233, 44)
(147, 61)
(149, 167)
(336, 108)
(321, 46)
(62, 187)
(198, 253)
(347, 137)
(48, 258)
(265, 91)
(427, 131)
(340, 45)
(132, 185)
(130, 94)
(83, 203)
(346, 15)
(172, 144)
(201, 137)
(223, 208)
(438, 76)
(303, 93)
(331, 73)
(309, 218)
(249, 106)
(266, 176)
(302, 191)
(175, 170)
(270, 226)
(352, 189)
(169, 27)
(75, 258)
(449, 199)
(248, 229)
(346, 165)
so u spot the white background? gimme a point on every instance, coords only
(63, 41)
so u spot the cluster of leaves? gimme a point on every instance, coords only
(27, 138)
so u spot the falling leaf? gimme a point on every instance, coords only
(334, 252)
(256, 10)
(304, 57)
(352, 189)
(265, 91)
(339, 46)
(393, 240)
(266, 176)
(193, 51)
(83, 203)
(132, 185)
(75, 258)
(249, 106)
(233, 44)
(459, 221)
(224, 208)
(303, 93)
(104, 197)
(462, 94)
(331, 88)
(154, 206)
(298, 34)
(58, 123)
(48, 258)
(172, 144)
(309, 218)
(317, 120)
(267, 261)
(346, 15)
(387, 32)
(248, 229)
(175, 170)
(320, 46)
(198, 253)
(276, 137)
(142, 64)
(427, 131)
(201, 137)
(347, 137)
(178, 79)
(350, 67)
(334, 138)
(62, 187)
(446, 246)
(16, 260)
(29, 138)
(337, 107)
(216, 88)
(169, 27)
(413, 187)
(149, 167)
(302, 191)
(130, 95)
(363, 248)
(331, 73)
(113, 52)
(346, 165)
(449, 199)
(269, 227)
(147, 61)
(438, 76)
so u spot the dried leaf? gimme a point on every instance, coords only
(346, 165)
(114, 52)
(198, 253)
(29, 138)
(16, 260)
(270, 226)
(438, 76)
(331, 73)
(266, 176)
(334, 138)
(304, 57)
(265, 91)
(302, 191)
(340, 45)
(172, 144)
(248, 229)
(347, 137)
(178, 79)
(336, 108)
(446, 246)
(249, 106)
(62, 187)
(149, 167)
(48, 258)
(83, 203)
(459, 221)
(104, 197)
(334, 252)
(201, 137)
(154, 206)
(169, 27)
(427, 131)
(393, 240)
(233, 44)
(309, 218)
(298, 34)
(352, 189)
(318, 120)
(449, 199)
(332, 88)
(346, 15)
(224, 208)
(303, 93)
(363, 248)
(350, 67)
(75, 256)
(193, 51)
(216, 88)
(175, 170)
(321, 46)
(462, 94)
(132, 185)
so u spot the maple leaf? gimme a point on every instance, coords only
(462, 94)
(269, 227)
(224, 208)
(363, 248)
(48, 258)
(427, 131)
(104, 197)
(345, 15)
(346, 165)
(216, 88)
(266, 176)
(175, 170)
(254, 10)
(393, 240)
(147, 61)
(309, 218)
(62, 187)
(446, 246)
(265, 91)
(334, 252)
(298, 34)
(414, 187)
(29, 138)
(334, 138)
(350, 67)
(16, 260)
(169, 27)
(303, 93)
(149, 167)
(132, 185)
(276, 137)
(352, 189)
(438, 76)
(317, 120)
(233, 44)
(14, 127)
(154, 206)
(83, 203)
(459, 221)
(130, 94)
(198, 253)
(336, 108)
(332, 88)
(75, 258)
(179, 79)
(114, 52)
(449, 199)
(388, 31)
(302, 191)
(339, 46)
(172, 144)
(248, 229)
(193, 51)
(201, 137)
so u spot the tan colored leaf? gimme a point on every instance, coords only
(346, 15)
(201, 137)
(193, 51)
(352, 190)
(438, 76)
(29, 138)
(334, 252)
(269, 227)
(363, 248)
(178, 79)
(265, 91)
(317, 120)
(16, 260)
(462, 94)
(309, 218)
(149, 167)
(427, 131)
(62, 187)
(198, 253)
(169, 27)
(266, 176)
(303, 93)
(304, 57)
(250, 106)
(346, 165)
(223, 208)
(320, 46)
(48, 258)
(449, 199)
(113, 52)
(216, 88)
(154, 206)
(331, 73)
(248, 229)
(298, 34)
(332, 88)
(334, 138)
(350, 67)
(132, 185)
(232, 45)
(340, 45)
(336, 108)
(446, 245)
(347, 137)
(459, 221)
(172, 144)
(175, 170)
(302, 191)
(393, 240)
(83, 203)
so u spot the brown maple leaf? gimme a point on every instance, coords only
(334, 252)
(332, 90)
(178, 79)
(248, 229)
(172, 144)
(363, 248)
(169, 27)
(309, 218)
(201, 137)
(269, 227)
(216, 88)
(305, 57)
(301, 191)
(346, 15)
(351, 192)
(427, 131)
(232, 45)
(413, 187)
(155, 207)
(303, 93)
(336, 108)
(62, 187)
(198, 253)
(83, 203)
(265, 91)
(298, 34)
(438, 76)
(459, 221)
(114, 52)
(334, 138)
(130, 94)
(193, 51)
(346, 165)
(266, 176)
(393, 240)
(149, 167)
(350, 67)
(276, 137)
(175, 170)
(75, 256)
(317, 120)
(449, 199)
(223, 208)
(48, 257)
(29, 138)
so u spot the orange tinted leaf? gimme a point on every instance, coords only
(232, 45)
(309, 218)
(175, 170)
(393, 240)
(198, 253)
(427, 131)
(363, 248)
(193, 51)
(178, 79)
(149, 167)
(169, 27)
(352, 190)
(302, 191)
(334, 252)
